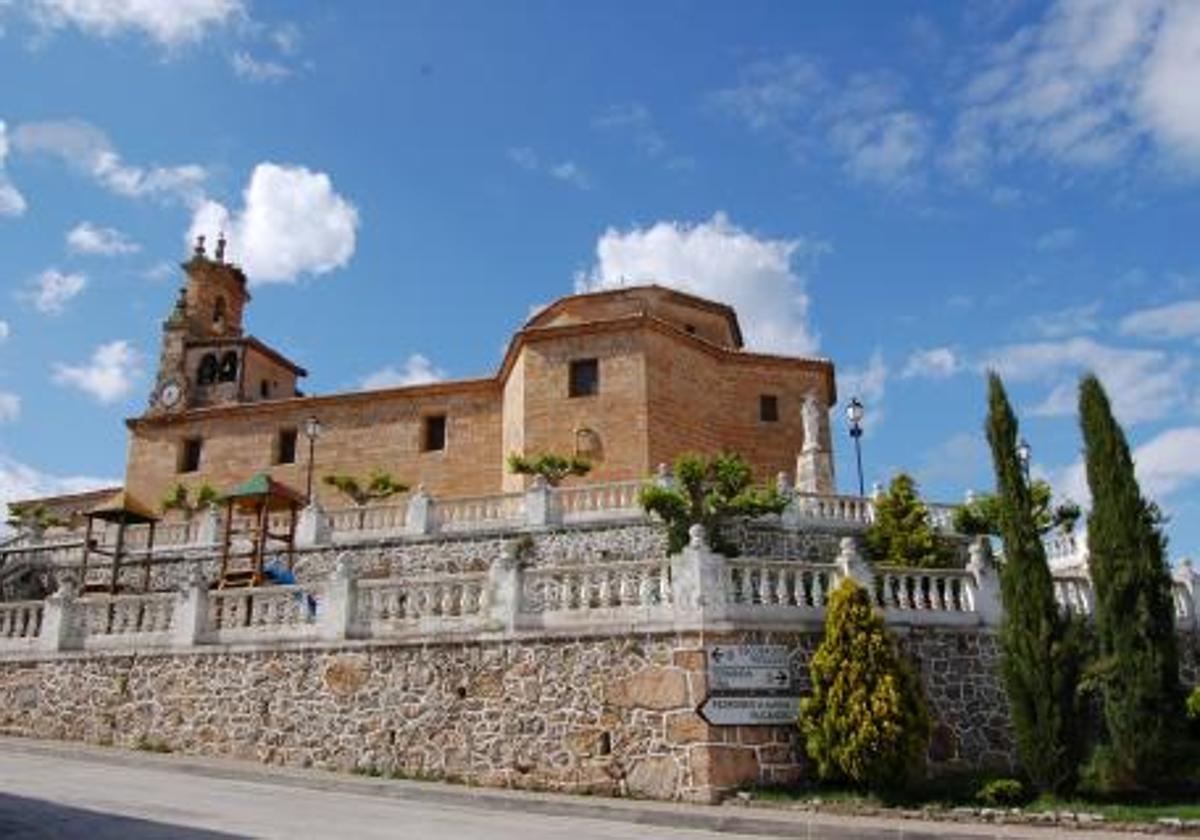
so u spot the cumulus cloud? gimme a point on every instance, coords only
(12, 203)
(87, 238)
(10, 407)
(246, 66)
(869, 384)
(934, 363)
(19, 481)
(1173, 321)
(416, 370)
(50, 291)
(170, 23)
(1143, 384)
(1164, 465)
(959, 459)
(108, 376)
(717, 259)
(1073, 320)
(568, 172)
(292, 222)
(88, 149)
(1087, 86)
(4, 331)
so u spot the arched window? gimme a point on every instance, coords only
(229, 367)
(219, 312)
(207, 374)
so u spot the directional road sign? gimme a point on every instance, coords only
(749, 669)
(750, 711)
(749, 655)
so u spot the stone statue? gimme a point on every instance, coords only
(811, 415)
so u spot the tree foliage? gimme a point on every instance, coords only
(982, 514)
(866, 720)
(377, 487)
(902, 534)
(180, 498)
(1043, 650)
(703, 491)
(32, 517)
(549, 465)
(1138, 670)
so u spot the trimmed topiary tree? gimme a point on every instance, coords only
(1138, 669)
(866, 721)
(1043, 649)
(549, 465)
(901, 533)
(377, 487)
(982, 514)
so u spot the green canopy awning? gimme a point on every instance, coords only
(262, 489)
(121, 507)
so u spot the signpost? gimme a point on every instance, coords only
(750, 685)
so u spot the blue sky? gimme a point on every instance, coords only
(916, 190)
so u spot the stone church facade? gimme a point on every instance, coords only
(629, 378)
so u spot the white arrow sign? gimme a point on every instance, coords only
(761, 656)
(749, 678)
(750, 711)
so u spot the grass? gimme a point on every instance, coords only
(1134, 812)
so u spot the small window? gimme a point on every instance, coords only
(207, 374)
(189, 457)
(768, 408)
(264, 389)
(285, 449)
(219, 312)
(585, 378)
(690, 329)
(434, 438)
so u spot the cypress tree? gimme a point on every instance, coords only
(1042, 650)
(1138, 670)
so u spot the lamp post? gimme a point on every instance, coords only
(312, 430)
(1024, 455)
(854, 413)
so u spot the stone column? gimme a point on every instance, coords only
(209, 530)
(698, 578)
(539, 504)
(988, 605)
(502, 597)
(663, 477)
(417, 519)
(58, 620)
(814, 464)
(191, 610)
(313, 527)
(1187, 576)
(335, 617)
(850, 564)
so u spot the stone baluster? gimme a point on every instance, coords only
(698, 576)
(191, 610)
(540, 507)
(418, 519)
(313, 528)
(336, 615)
(502, 592)
(851, 565)
(58, 619)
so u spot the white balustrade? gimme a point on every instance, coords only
(478, 512)
(631, 585)
(368, 519)
(384, 602)
(1073, 593)
(1181, 599)
(762, 583)
(124, 615)
(261, 610)
(587, 502)
(20, 620)
(850, 510)
(925, 590)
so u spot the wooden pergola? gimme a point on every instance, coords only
(124, 510)
(256, 499)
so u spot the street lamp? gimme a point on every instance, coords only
(312, 430)
(1024, 455)
(854, 413)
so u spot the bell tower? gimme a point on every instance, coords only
(216, 294)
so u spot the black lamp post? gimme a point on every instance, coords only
(1024, 455)
(854, 413)
(312, 430)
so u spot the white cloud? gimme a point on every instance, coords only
(416, 370)
(85, 147)
(1073, 320)
(718, 260)
(1143, 384)
(246, 66)
(109, 376)
(1176, 320)
(4, 331)
(934, 363)
(524, 157)
(87, 238)
(20, 481)
(292, 222)
(771, 94)
(958, 460)
(1164, 465)
(633, 120)
(1059, 239)
(869, 384)
(12, 203)
(1087, 86)
(170, 23)
(10, 407)
(569, 172)
(159, 272)
(50, 291)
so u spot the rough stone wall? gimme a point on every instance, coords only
(607, 715)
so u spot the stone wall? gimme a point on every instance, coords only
(608, 715)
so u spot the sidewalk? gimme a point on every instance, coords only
(729, 819)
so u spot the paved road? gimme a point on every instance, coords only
(59, 790)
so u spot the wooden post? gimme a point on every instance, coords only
(228, 538)
(149, 554)
(263, 522)
(116, 561)
(291, 540)
(87, 549)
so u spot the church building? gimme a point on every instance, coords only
(629, 378)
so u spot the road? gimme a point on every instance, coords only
(59, 790)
